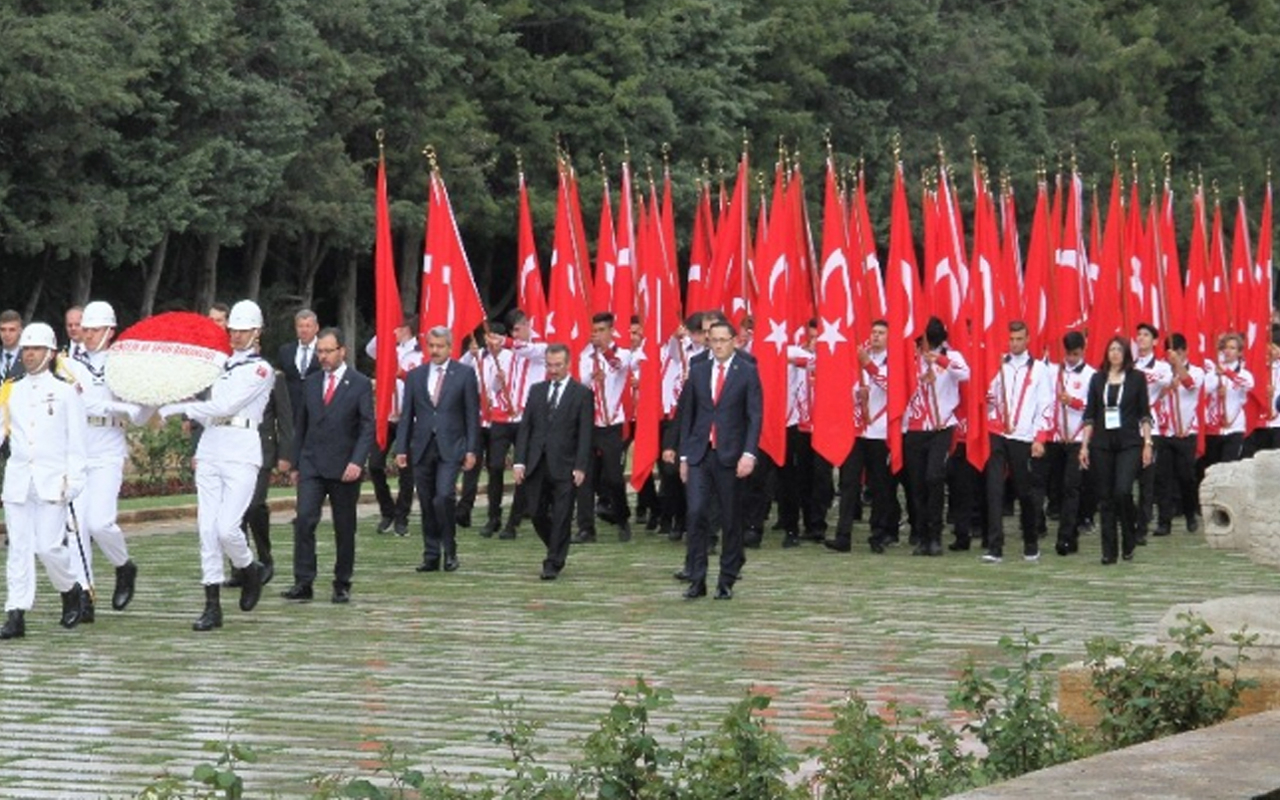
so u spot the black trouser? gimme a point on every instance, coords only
(1146, 496)
(804, 485)
(671, 491)
(758, 491)
(609, 451)
(872, 457)
(436, 481)
(1069, 511)
(1262, 439)
(257, 517)
(1027, 476)
(711, 483)
(1176, 466)
(501, 440)
(399, 508)
(1114, 472)
(1220, 449)
(343, 496)
(964, 493)
(925, 461)
(550, 504)
(471, 478)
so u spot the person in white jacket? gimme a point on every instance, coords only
(107, 417)
(44, 423)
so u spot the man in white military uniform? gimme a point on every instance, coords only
(45, 425)
(107, 417)
(227, 462)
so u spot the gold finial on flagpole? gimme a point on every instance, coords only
(430, 152)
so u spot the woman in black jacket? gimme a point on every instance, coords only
(1116, 443)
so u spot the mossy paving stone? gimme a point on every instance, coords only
(417, 660)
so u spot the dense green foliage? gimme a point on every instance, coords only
(158, 153)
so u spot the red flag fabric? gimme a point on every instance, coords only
(388, 313)
(1071, 275)
(869, 296)
(1134, 252)
(669, 241)
(569, 313)
(530, 296)
(1039, 308)
(700, 254)
(449, 294)
(1240, 292)
(624, 284)
(652, 270)
(1169, 269)
(801, 302)
(1196, 304)
(902, 285)
(1258, 325)
(1106, 318)
(1218, 282)
(989, 322)
(727, 289)
(772, 331)
(1011, 255)
(604, 280)
(835, 360)
(582, 255)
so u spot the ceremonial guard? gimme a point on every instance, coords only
(44, 424)
(227, 462)
(107, 417)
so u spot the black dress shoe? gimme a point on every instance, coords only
(624, 531)
(1062, 548)
(877, 546)
(251, 592)
(1128, 556)
(584, 537)
(298, 591)
(959, 546)
(681, 576)
(934, 549)
(752, 538)
(507, 534)
(385, 524)
(463, 520)
(268, 571)
(549, 573)
(654, 523)
(451, 564)
(402, 527)
(1162, 530)
(490, 528)
(341, 595)
(428, 566)
(838, 545)
(15, 626)
(1193, 523)
(813, 535)
(71, 605)
(790, 540)
(724, 592)
(126, 578)
(696, 590)
(1106, 562)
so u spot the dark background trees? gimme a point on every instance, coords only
(162, 154)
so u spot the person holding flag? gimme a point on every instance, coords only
(1177, 431)
(1070, 382)
(1227, 387)
(606, 369)
(395, 511)
(1159, 377)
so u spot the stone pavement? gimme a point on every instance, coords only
(417, 661)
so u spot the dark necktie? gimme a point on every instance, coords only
(8, 364)
(555, 395)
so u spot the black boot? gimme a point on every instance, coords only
(252, 588)
(212, 616)
(71, 600)
(15, 627)
(86, 608)
(126, 576)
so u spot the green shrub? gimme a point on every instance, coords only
(1016, 719)
(623, 759)
(743, 758)
(1144, 692)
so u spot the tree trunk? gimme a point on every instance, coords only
(207, 278)
(82, 280)
(314, 251)
(410, 268)
(152, 273)
(257, 261)
(33, 300)
(347, 319)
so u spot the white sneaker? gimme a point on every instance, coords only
(1032, 558)
(991, 558)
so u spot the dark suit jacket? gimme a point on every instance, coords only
(276, 430)
(737, 416)
(560, 439)
(329, 437)
(288, 361)
(1134, 408)
(671, 435)
(454, 425)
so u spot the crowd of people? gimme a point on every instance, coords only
(1071, 442)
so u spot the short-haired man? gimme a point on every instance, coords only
(395, 511)
(552, 453)
(71, 323)
(10, 353)
(606, 368)
(297, 359)
(439, 434)
(1017, 401)
(1177, 430)
(1070, 386)
(1227, 385)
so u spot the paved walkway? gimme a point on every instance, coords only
(418, 660)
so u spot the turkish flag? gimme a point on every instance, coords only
(727, 288)
(1196, 294)
(902, 285)
(652, 265)
(1218, 284)
(569, 311)
(988, 320)
(624, 284)
(1038, 308)
(700, 254)
(388, 314)
(530, 296)
(772, 332)
(1241, 291)
(449, 294)
(1168, 268)
(835, 363)
(1106, 317)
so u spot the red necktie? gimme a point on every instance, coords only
(328, 390)
(715, 399)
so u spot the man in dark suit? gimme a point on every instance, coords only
(719, 431)
(333, 433)
(298, 358)
(553, 452)
(439, 435)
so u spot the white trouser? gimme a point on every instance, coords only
(223, 492)
(96, 514)
(36, 528)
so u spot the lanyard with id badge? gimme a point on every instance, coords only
(1111, 414)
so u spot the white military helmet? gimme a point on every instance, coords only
(98, 314)
(244, 316)
(38, 334)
